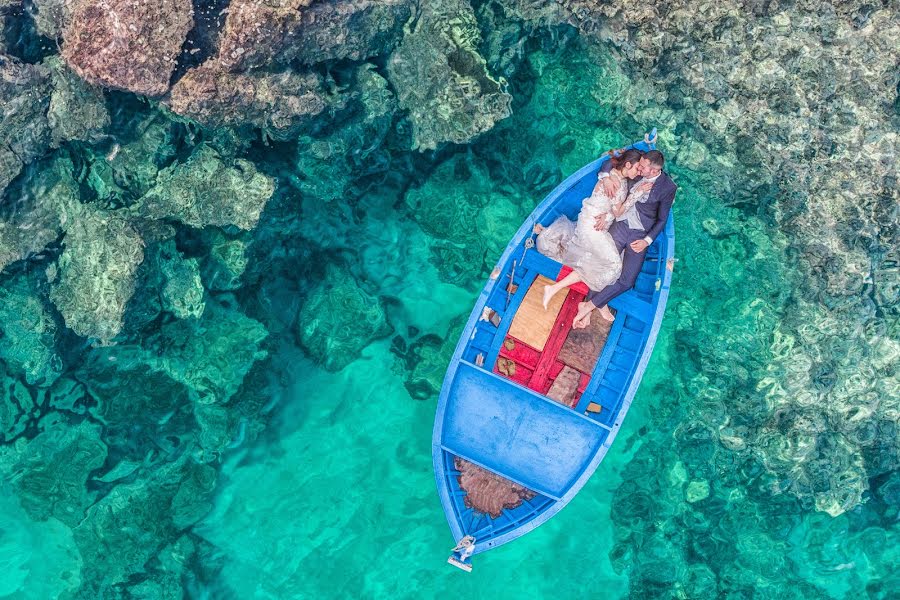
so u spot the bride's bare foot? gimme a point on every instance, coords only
(538, 228)
(549, 292)
(607, 314)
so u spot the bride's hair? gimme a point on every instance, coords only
(628, 156)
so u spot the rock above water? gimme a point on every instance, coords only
(127, 45)
(259, 32)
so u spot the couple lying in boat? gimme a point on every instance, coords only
(605, 248)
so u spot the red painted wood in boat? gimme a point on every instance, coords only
(521, 352)
(522, 374)
(541, 378)
(580, 287)
(536, 369)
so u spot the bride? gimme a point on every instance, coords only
(591, 253)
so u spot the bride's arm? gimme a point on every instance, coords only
(609, 183)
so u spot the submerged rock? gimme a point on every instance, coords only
(279, 103)
(210, 355)
(77, 109)
(226, 262)
(24, 129)
(208, 190)
(327, 163)
(260, 32)
(339, 318)
(53, 469)
(95, 275)
(44, 203)
(51, 16)
(443, 81)
(29, 333)
(126, 45)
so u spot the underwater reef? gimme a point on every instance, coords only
(239, 239)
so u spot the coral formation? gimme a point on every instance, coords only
(443, 81)
(126, 45)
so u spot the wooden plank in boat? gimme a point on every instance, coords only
(565, 386)
(532, 324)
(583, 346)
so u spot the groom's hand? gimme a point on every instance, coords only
(639, 245)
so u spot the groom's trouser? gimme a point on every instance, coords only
(632, 261)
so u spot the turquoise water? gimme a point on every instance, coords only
(233, 409)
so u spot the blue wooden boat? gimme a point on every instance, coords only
(505, 421)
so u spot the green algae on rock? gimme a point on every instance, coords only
(339, 318)
(94, 278)
(443, 81)
(208, 189)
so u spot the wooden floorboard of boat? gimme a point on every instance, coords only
(582, 347)
(532, 324)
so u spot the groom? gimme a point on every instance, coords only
(633, 232)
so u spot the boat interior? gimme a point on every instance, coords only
(519, 360)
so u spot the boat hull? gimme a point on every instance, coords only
(486, 419)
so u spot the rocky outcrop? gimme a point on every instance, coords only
(260, 32)
(127, 45)
(339, 318)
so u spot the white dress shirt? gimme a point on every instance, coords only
(631, 215)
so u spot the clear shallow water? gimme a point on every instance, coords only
(123, 478)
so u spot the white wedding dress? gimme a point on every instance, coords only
(590, 253)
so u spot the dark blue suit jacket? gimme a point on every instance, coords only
(654, 212)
